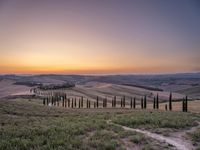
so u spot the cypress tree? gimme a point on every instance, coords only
(124, 102)
(69, 103)
(72, 103)
(142, 104)
(134, 103)
(63, 101)
(87, 103)
(121, 102)
(43, 101)
(157, 102)
(166, 107)
(115, 98)
(145, 102)
(131, 105)
(170, 101)
(82, 101)
(75, 103)
(154, 103)
(186, 104)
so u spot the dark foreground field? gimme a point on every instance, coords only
(27, 124)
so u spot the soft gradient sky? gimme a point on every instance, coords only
(99, 36)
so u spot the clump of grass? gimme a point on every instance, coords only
(103, 140)
(195, 135)
(138, 139)
(145, 119)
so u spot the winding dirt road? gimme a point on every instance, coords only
(178, 143)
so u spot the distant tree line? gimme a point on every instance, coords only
(56, 87)
(61, 99)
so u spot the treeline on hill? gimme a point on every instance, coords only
(61, 99)
(56, 87)
(144, 87)
(30, 84)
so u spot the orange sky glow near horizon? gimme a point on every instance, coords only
(94, 37)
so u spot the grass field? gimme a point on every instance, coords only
(27, 124)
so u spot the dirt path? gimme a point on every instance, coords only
(178, 142)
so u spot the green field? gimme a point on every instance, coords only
(27, 124)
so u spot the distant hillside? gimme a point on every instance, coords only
(182, 82)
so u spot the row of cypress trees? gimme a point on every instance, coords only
(61, 99)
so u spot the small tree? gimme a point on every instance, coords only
(154, 103)
(170, 101)
(131, 104)
(97, 101)
(157, 101)
(72, 103)
(166, 107)
(115, 99)
(124, 101)
(69, 103)
(75, 103)
(134, 103)
(145, 102)
(186, 104)
(43, 101)
(142, 103)
(82, 102)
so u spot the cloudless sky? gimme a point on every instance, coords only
(99, 36)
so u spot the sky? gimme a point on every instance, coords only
(99, 36)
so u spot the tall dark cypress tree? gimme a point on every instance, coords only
(79, 103)
(72, 103)
(97, 101)
(142, 103)
(134, 103)
(170, 101)
(106, 102)
(131, 104)
(63, 101)
(82, 102)
(145, 102)
(75, 103)
(124, 102)
(186, 104)
(157, 101)
(154, 103)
